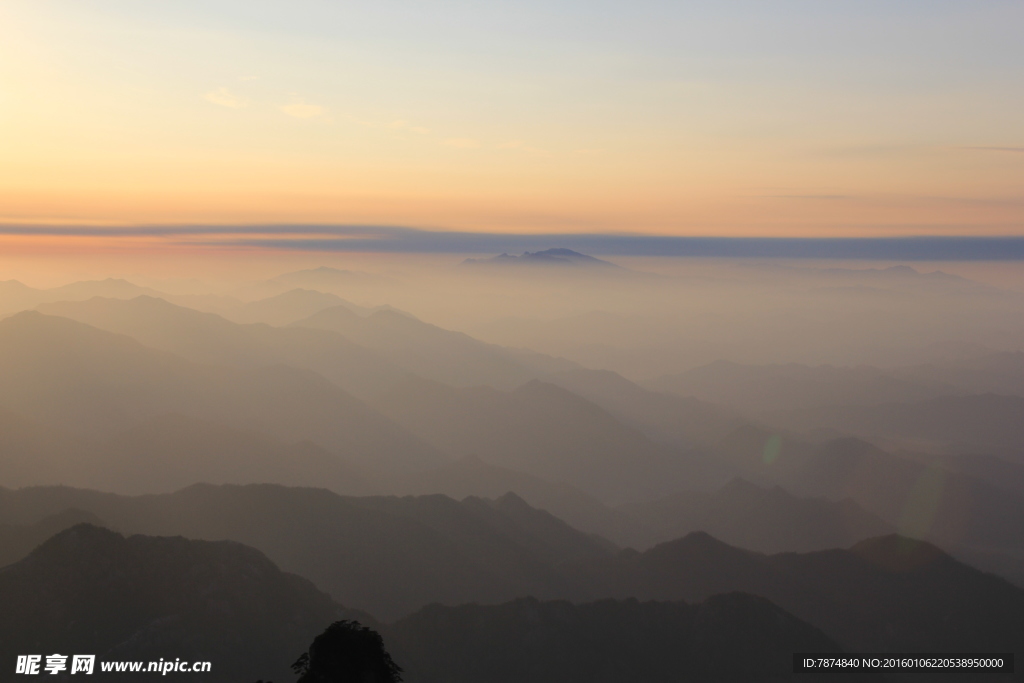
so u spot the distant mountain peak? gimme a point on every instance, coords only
(78, 535)
(699, 542)
(898, 553)
(324, 269)
(555, 257)
(512, 500)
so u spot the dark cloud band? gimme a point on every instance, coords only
(397, 239)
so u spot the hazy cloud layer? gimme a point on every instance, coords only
(1013, 150)
(398, 239)
(225, 98)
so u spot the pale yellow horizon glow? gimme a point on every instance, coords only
(110, 114)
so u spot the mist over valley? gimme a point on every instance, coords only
(839, 444)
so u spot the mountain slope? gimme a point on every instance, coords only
(471, 476)
(394, 556)
(58, 371)
(424, 349)
(963, 513)
(33, 452)
(90, 590)
(759, 388)
(997, 373)
(171, 452)
(18, 540)
(15, 296)
(210, 338)
(389, 556)
(142, 598)
(545, 431)
(986, 422)
(766, 520)
(889, 594)
(164, 454)
(726, 638)
(682, 420)
(286, 308)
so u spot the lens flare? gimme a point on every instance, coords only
(772, 449)
(923, 502)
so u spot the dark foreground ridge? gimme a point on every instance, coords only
(88, 590)
(393, 556)
(733, 637)
(926, 600)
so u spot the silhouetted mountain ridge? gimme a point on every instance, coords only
(143, 598)
(18, 540)
(927, 600)
(210, 338)
(90, 590)
(424, 349)
(988, 422)
(58, 371)
(725, 638)
(471, 476)
(548, 432)
(764, 519)
(385, 554)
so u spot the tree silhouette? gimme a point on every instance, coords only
(347, 652)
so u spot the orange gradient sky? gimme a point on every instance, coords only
(768, 119)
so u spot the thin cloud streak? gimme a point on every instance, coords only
(225, 98)
(816, 196)
(1011, 150)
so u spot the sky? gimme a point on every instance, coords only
(751, 118)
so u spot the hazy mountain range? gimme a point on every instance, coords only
(767, 520)
(424, 349)
(387, 555)
(93, 382)
(131, 598)
(211, 339)
(727, 637)
(547, 431)
(16, 296)
(594, 440)
(392, 556)
(917, 495)
(497, 503)
(982, 423)
(916, 590)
